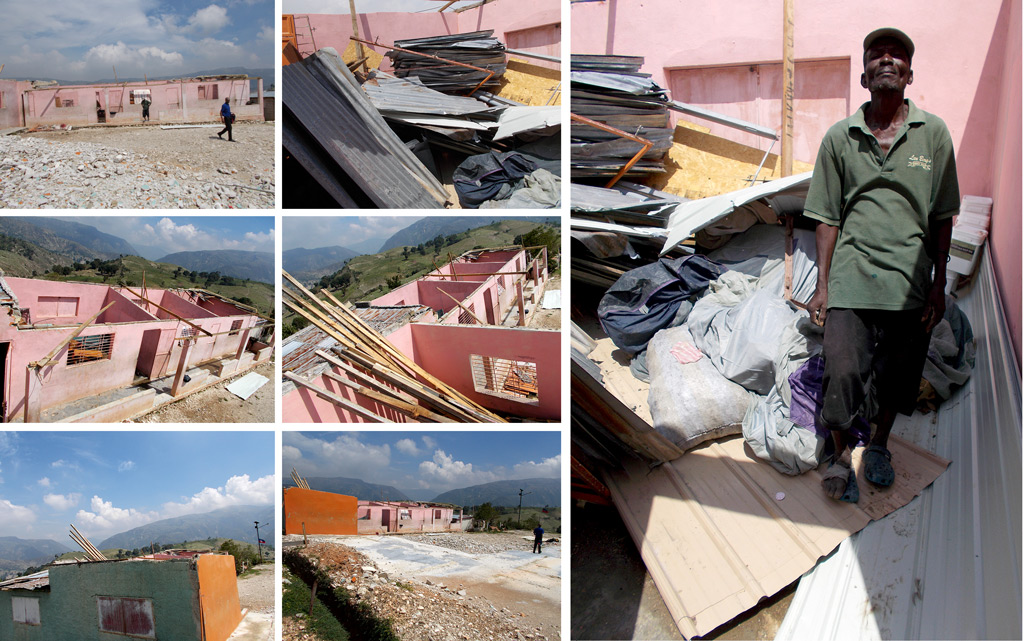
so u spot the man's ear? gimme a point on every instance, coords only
(864, 80)
(910, 78)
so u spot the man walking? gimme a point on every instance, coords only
(538, 538)
(225, 113)
(884, 192)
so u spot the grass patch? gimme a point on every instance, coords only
(295, 601)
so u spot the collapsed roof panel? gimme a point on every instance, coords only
(338, 136)
(478, 48)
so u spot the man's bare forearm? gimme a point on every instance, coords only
(825, 237)
(940, 234)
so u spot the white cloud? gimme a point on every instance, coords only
(429, 443)
(126, 466)
(238, 490)
(289, 453)
(115, 53)
(43, 482)
(210, 19)
(107, 519)
(446, 471)
(346, 456)
(546, 469)
(61, 463)
(12, 515)
(407, 446)
(60, 502)
(266, 33)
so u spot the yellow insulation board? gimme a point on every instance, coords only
(530, 84)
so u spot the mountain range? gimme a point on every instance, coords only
(352, 487)
(266, 74)
(73, 240)
(234, 522)
(229, 262)
(541, 492)
(427, 228)
(310, 264)
(17, 554)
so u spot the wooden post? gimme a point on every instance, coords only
(242, 343)
(179, 375)
(519, 301)
(788, 73)
(355, 32)
(304, 540)
(32, 395)
(312, 597)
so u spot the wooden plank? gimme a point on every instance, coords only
(47, 360)
(463, 307)
(355, 408)
(164, 309)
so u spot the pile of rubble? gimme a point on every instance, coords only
(428, 611)
(45, 174)
(479, 543)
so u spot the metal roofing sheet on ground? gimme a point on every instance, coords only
(948, 566)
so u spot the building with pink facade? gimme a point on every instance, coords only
(405, 517)
(727, 57)
(87, 352)
(464, 323)
(31, 104)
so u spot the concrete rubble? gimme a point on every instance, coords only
(47, 174)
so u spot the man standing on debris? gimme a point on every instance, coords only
(538, 538)
(225, 113)
(884, 191)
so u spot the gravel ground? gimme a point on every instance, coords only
(217, 405)
(424, 611)
(479, 543)
(256, 591)
(139, 167)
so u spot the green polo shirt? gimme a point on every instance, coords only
(883, 207)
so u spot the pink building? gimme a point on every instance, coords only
(384, 517)
(727, 56)
(534, 26)
(173, 101)
(89, 352)
(461, 324)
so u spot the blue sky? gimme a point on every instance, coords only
(74, 40)
(110, 482)
(437, 461)
(347, 231)
(366, 6)
(169, 234)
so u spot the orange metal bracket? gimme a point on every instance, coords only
(427, 55)
(647, 144)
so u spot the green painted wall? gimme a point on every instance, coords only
(68, 612)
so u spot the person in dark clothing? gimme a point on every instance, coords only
(225, 113)
(538, 538)
(145, 109)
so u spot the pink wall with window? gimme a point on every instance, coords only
(966, 71)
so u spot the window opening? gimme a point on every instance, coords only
(512, 379)
(466, 315)
(235, 326)
(86, 349)
(26, 610)
(208, 92)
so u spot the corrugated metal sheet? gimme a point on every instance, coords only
(332, 127)
(29, 582)
(947, 566)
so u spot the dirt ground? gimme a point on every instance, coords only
(217, 405)
(256, 589)
(434, 591)
(548, 318)
(139, 167)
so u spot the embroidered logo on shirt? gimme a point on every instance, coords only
(920, 161)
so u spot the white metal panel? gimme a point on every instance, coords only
(26, 610)
(947, 566)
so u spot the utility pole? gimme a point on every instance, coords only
(520, 519)
(259, 542)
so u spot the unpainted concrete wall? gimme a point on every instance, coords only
(218, 593)
(69, 611)
(321, 512)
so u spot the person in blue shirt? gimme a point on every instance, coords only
(538, 538)
(225, 113)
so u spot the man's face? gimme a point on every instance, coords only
(886, 66)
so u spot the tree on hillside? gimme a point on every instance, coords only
(485, 513)
(543, 235)
(394, 281)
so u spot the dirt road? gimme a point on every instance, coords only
(139, 167)
(217, 405)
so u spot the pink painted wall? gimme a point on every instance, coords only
(430, 293)
(444, 350)
(537, 21)
(407, 294)
(72, 302)
(172, 102)
(171, 301)
(10, 103)
(303, 406)
(418, 518)
(966, 70)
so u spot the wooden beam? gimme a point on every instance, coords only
(464, 308)
(164, 309)
(46, 362)
(490, 274)
(355, 408)
(408, 409)
(788, 73)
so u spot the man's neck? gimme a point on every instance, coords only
(886, 109)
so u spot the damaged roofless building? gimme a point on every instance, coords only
(449, 117)
(93, 352)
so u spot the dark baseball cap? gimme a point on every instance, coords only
(890, 33)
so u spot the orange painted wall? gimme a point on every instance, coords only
(322, 512)
(218, 596)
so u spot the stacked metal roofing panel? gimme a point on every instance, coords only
(339, 138)
(478, 48)
(613, 91)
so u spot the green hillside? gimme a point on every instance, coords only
(206, 544)
(130, 269)
(24, 259)
(368, 276)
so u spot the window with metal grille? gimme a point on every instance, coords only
(86, 349)
(122, 615)
(26, 610)
(189, 331)
(404, 514)
(235, 326)
(61, 103)
(512, 379)
(466, 315)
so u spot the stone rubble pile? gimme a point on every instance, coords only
(484, 543)
(45, 174)
(422, 611)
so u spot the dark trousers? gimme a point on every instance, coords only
(871, 352)
(536, 545)
(227, 127)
